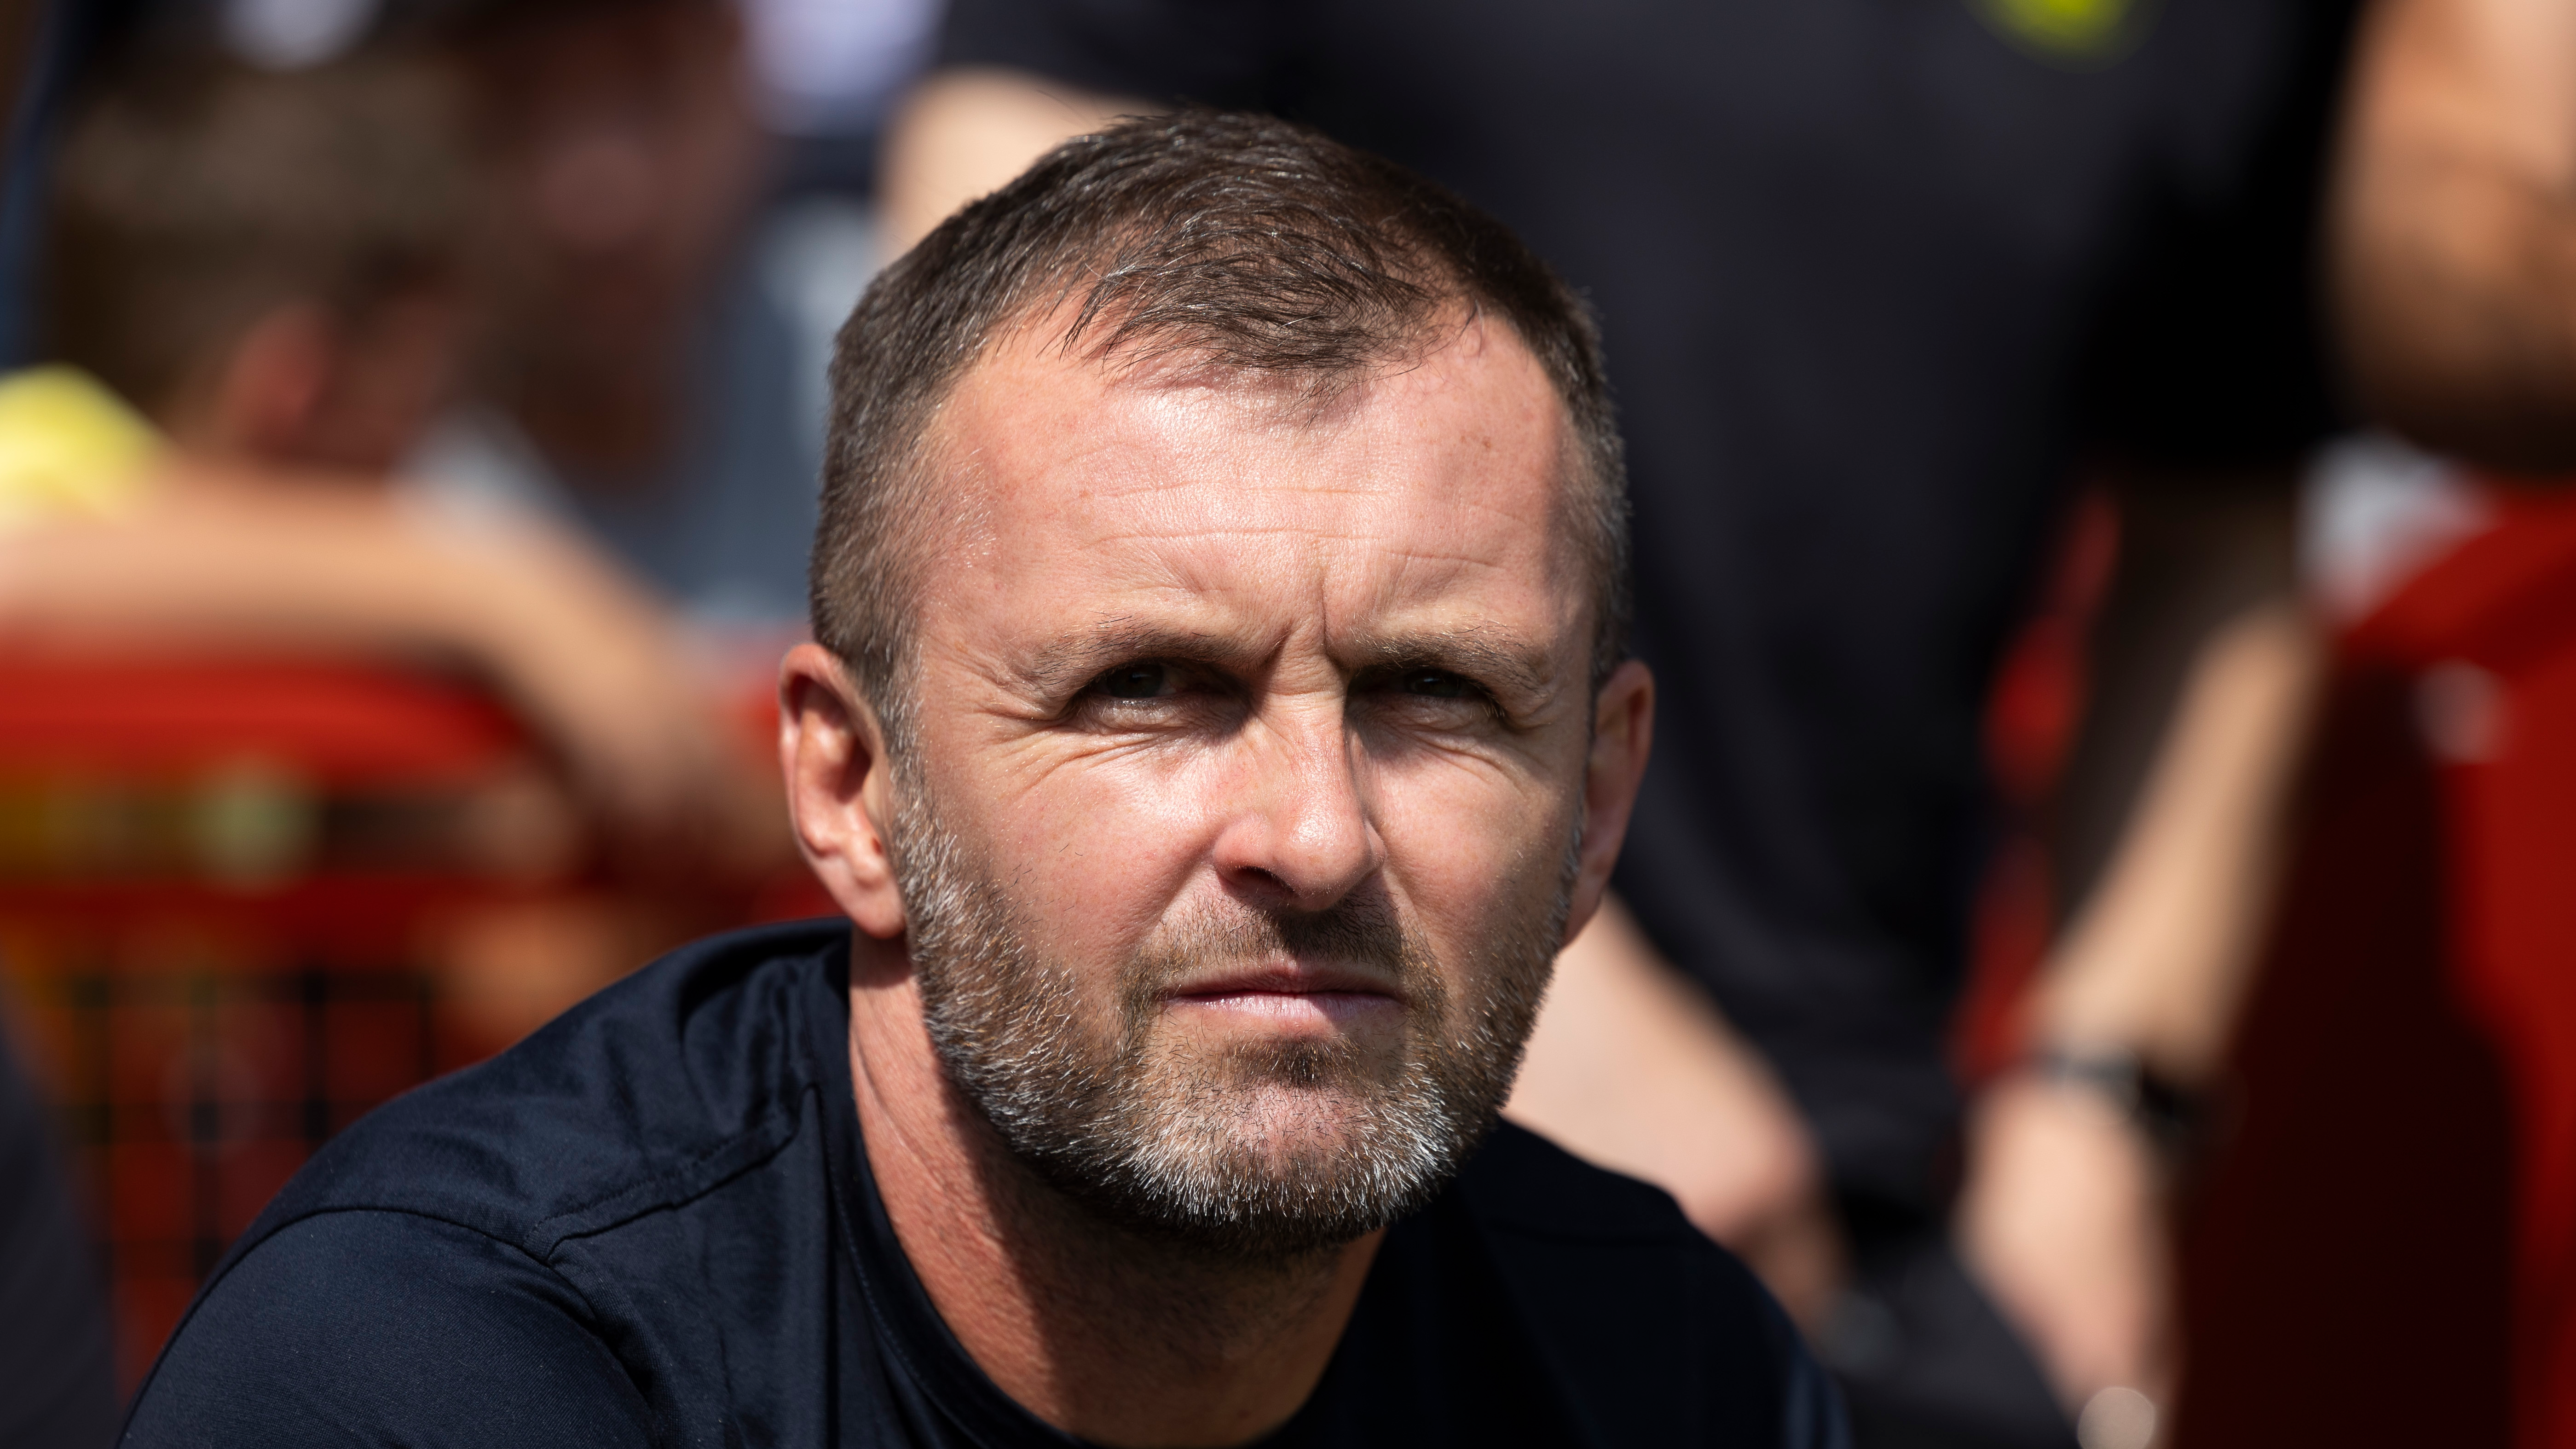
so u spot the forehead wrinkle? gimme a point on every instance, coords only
(1428, 573)
(1251, 497)
(1267, 507)
(1550, 549)
(1331, 587)
(1341, 596)
(1249, 410)
(1136, 462)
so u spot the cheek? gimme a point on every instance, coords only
(1474, 853)
(1094, 845)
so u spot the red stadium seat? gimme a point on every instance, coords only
(220, 883)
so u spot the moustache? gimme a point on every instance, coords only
(1359, 943)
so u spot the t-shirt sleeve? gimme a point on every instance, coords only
(1215, 52)
(385, 1328)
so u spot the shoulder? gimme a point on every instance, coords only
(1521, 1183)
(1644, 1313)
(387, 1327)
(433, 1245)
(683, 1074)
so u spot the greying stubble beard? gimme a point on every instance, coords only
(1265, 1152)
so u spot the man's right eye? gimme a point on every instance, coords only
(1136, 681)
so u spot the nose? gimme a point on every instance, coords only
(1299, 836)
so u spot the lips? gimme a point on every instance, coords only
(1287, 979)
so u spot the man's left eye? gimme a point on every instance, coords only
(1434, 684)
(1136, 681)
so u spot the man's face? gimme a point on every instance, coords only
(1249, 749)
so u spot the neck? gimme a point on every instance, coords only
(1112, 1336)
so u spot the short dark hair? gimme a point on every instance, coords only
(1234, 241)
(192, 196)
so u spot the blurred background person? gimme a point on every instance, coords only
(683, 223)
(423, 355)
(2454, 279)
(633, 381)
(680, 217)
(253, 309)
(2454, 249)
(1880, 285)
(262, 284)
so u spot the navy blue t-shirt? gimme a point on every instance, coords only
(57, 1353)
(654, 1223)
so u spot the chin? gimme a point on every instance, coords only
(1293, 1129)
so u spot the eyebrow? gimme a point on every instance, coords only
(1502, 661)
(1511, 666)
(1073, 660)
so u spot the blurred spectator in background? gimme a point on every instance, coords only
(54, 1341)
(680, 221)
(2455, 283)
(284, 243)
(601, 419)
(1880, 282)
(2455, 250)
(642, 379)
(254, 306)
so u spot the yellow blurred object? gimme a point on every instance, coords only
(68, 446)
(2079, 32)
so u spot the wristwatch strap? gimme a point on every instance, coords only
(2174, 1117)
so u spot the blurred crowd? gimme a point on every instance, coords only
(2038, 411)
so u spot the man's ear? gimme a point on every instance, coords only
(1623, 732)
(839, 787)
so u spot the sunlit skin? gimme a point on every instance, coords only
(1192, 641)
